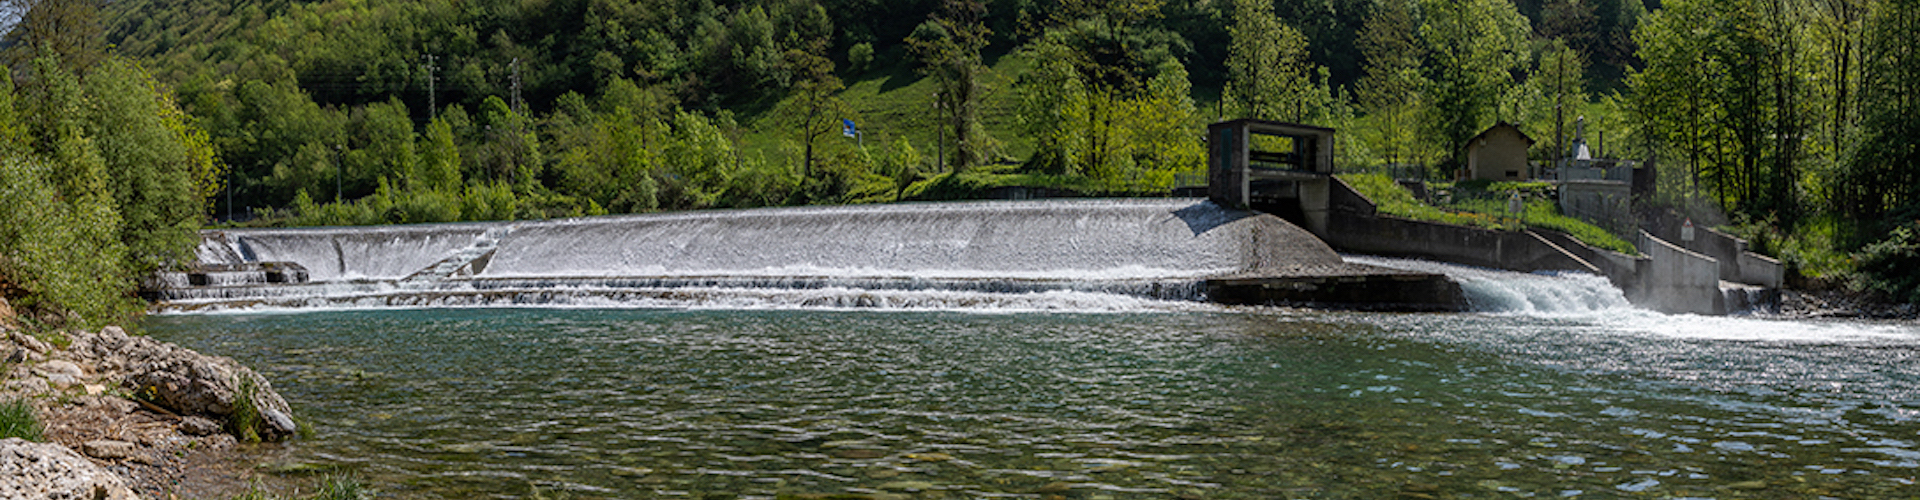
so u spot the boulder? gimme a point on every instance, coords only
(198, 426)
(42, 471)
(107, 449)
(184, 381)
(28, 342)
(61, 373)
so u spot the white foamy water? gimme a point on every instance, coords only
(1032, 255)
(1593, 300)
(705, 298)
(1496, 291)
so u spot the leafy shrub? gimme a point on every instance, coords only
(859, 56)
(1886, 266)
(39, 229)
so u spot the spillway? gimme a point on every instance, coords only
(1160, 249)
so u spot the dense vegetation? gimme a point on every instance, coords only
(102, 180)
(1790, 121)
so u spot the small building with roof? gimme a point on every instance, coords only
(1499, 154)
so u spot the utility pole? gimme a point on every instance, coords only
(940, 131)
(517, 104)
(1559, 113)
(432, 109)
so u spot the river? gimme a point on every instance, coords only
(1556, 389)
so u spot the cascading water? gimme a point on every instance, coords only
(1017, 255)
(1497, 291)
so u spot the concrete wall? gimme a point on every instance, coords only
(1737, 264)
(1603, 203)
(1344, 198)
(1677, 281)
(1756, 269)
(1396, 237)
(1668, 278)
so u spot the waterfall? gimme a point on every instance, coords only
(906, 255)
(1497, 291)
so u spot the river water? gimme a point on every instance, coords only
(1556, 390)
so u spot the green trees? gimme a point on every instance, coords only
(1475, 47)
(1728, 100)
(1124, 140)
(949, 46)
(815, 108)
(101, 182)
(153, 165)
(1881, 172)
(1268, 74)
(1391, 90)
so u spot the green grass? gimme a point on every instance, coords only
(1544, 214)
(1489, 212)
(17, 419)
(336, 487)
(896, 101)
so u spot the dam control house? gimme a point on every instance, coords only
(1281, 168)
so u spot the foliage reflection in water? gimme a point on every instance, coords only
(494, 403)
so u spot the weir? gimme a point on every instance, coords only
(1166, 249)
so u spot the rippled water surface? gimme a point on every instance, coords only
(513, 403)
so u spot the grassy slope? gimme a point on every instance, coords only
(1540, 214)
(896, 101)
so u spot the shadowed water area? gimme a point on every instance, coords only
(1583, 398)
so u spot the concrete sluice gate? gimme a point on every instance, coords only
(1161, 249)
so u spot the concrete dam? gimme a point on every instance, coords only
(874, 255)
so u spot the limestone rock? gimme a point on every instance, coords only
(33, 385)
(9, 320)
(181, 380)
(198, 426)
(61, 373)
(28, 342)
(40, 471)
(107, 449)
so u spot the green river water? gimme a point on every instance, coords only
(1174, 402)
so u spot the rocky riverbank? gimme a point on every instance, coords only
(1835, 303)
(130, 417)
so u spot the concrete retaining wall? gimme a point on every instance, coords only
(1676, 280)
(1668, 278)
(1737, 264)
(1756, 269)
(1344, 198)
(1396, 237)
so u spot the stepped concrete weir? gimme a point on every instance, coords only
(1167, 249)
